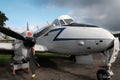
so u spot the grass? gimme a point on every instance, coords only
(7, 58)
(48, 55)
(44, 59)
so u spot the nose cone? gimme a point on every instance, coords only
(101, 33)
(29, 34)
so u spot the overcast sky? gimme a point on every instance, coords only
(104, 13)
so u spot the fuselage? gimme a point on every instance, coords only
(76, 40)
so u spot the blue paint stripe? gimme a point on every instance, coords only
(66, 39)
(61, 30)
(57, 29)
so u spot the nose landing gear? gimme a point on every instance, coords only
(111, 55)
(103, 75)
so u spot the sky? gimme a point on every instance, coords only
(104, 13)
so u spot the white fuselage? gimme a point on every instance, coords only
(74, 40)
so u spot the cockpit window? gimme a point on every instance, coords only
(56, 22)
(68, 21)
(62, 22)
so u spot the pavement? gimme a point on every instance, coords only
(60, 68)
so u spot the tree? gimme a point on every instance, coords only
(3, 18)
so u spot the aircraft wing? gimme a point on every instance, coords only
(6, 46)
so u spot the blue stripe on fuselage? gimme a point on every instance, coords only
(63, 39)
(58, 29)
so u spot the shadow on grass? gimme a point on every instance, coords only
(50, 62)
(46, 62)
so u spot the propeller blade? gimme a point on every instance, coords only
(11, 33)
(32, 62)
(43, 32)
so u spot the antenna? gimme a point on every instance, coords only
(37, 27)
(27, 26)
(48, 23)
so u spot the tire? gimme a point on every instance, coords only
(102, 75)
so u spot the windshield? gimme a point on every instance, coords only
(68, 21)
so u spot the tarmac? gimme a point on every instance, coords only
(60, 68)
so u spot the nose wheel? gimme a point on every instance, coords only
(103, 75)
(110, 57)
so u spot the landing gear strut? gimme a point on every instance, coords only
(111, 55)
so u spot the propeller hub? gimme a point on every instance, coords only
(29, 34)
(29, 42)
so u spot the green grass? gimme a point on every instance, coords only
(5, 58)
(48, 55)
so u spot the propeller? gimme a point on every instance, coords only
(11, 33)
(28, 42)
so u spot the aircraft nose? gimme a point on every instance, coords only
(106, 34)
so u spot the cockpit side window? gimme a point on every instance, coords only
(56, 22)
(62, 22)
(68, 21)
